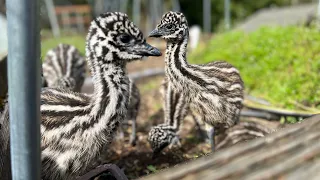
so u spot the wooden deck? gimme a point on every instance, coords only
(289, 153)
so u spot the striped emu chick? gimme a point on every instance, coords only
(243, 131)
(133, 110)
(175, 109)
(64, 67)
(75, 127)
(214, 90)
(5, 169)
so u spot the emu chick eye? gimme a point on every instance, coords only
(169, 26)
(125, 38)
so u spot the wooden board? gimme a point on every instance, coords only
(289, 153)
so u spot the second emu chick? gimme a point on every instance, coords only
(214, 90)
(133, 110)
(64, 67)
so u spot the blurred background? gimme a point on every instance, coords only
(275, 44)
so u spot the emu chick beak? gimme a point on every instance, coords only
(146, 49)
(155, 33)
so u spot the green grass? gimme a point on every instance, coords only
(73, 39)
(280, 64)
(152, 168)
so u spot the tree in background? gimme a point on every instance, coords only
(240, 9)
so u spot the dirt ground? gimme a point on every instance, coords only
(136, 161)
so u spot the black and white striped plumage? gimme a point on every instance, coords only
(64, 67)
(175, 109)
(243, 131)
(214, 90)
(76, 127)
(133, 111)
(5, 169)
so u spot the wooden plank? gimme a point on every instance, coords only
(277, 156)
(70, 15)
(73, 9)
(74, 20)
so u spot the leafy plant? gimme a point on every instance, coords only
(280, 64)
(152, 168)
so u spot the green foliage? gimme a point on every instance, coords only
(280, 64)
(152, 168)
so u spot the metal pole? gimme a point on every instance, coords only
(318, 14)
(160, 5)
(155, 12)
(175, 5)
(123, 6)
(52, 18)
(227, 14)
(136, 12)
(24, 88)
(150, 16)
(207, 15)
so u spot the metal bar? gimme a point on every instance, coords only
(123, 6)
(160, 5)
(207, 15)
(53, 18)
(80, 23)
(149, 12)
(154, 12)
(227, 14)
(175, 5)
(66, 20)
(318, 13)
(136, 12)
(24, 88)
(111, 5)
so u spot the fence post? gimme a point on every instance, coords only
(136, 11)
(52, 18)
(227, 14)
(318, 13)
(207, 15)
(175, 5)
(24, 88)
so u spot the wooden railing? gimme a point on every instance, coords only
(79, 15)
(289, 153)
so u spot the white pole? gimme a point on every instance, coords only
(175, 5)
(136, 11)
(24, 88)
(318, 14)
(227, 14)
(52, 18)
(207, 15)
